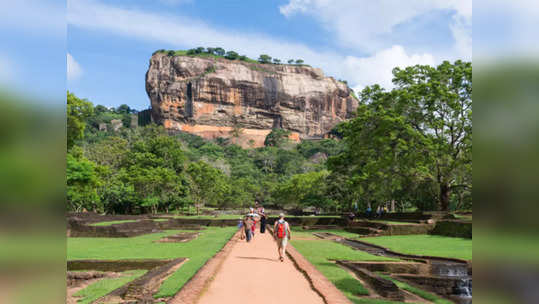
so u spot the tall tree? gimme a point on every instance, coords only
(419, 132)
(78, 111)
(438, 104)
(219, 51)
(264, 58)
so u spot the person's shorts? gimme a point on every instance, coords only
(281, 242)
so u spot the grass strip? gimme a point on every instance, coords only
(320, 253)
(425, 244)
(102, 287)
(198, 251)
(112, 223)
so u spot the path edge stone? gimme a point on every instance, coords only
(319, 283)
(191, 291)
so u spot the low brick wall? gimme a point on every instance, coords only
(461, 229)
(383, 287)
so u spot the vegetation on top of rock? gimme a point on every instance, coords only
(218, 52)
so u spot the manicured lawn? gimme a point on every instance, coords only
(321, 252)
(104, 286)
(199, 250)
(112, 223)
(309, 233)
(463, 217)
(424, 244)
(210, 217)
(391, 222)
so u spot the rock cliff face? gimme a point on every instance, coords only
(244, 101)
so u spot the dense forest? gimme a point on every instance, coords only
(409, 146)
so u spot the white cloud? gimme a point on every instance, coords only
(377, 68)
(461, 31)
(74, 71)
(46, 18)
(184, 32)
(179, 31)
(367, 25)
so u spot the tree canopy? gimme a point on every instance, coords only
(410, 146)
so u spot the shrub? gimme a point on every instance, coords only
(231, 55)
(264, 58)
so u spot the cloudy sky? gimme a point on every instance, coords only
(109, 42)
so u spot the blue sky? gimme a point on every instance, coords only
(110, 42)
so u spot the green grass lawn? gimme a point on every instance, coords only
(199, 250)
(424, 244)
(210, 217)
(463, 217)
(112, 223)
(321, 252)
(309, 233)
(391, 222)
(104, 286)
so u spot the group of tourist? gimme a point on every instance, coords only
(257, 217)
(381, 211)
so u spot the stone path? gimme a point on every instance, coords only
(252, 272)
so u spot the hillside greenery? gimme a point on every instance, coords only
(218, 52)
(410, 145)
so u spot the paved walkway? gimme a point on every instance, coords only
(253, 273)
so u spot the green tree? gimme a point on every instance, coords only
(82, 183)
(412, 136)
(123, 109)
(438, 104)
(276, 61)
(290, 61)
(207, 184)
(264, 58)
(299, 61)
(231, 55)
(277, 138)
(219, 51)
(302, 190)
(199, 50)
(78, 111)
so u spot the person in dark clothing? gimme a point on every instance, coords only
(262, 219)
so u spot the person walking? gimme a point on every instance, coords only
(281, 232)
(240, 227)
(262, 219)
(248, 226)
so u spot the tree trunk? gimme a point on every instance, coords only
(444, 197)
(392, 205)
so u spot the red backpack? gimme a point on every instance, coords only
(281, 230)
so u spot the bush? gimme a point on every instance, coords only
(231, 55)
(264, 58)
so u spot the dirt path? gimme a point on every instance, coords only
(253, 272)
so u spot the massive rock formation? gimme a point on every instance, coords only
(229, 98)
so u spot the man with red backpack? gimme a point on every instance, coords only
(281, 232)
